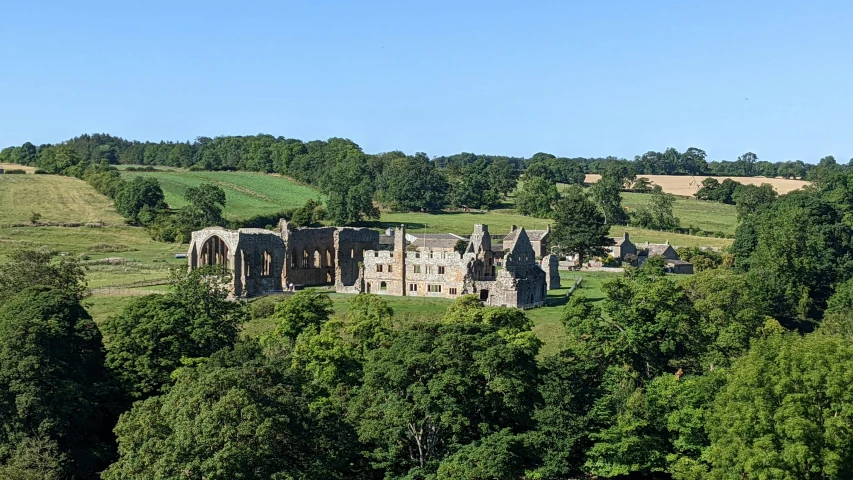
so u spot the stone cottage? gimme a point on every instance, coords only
(674, 263)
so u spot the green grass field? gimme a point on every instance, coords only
(709, 216)
(246, 193)
(56, 198)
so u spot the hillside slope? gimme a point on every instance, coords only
(246, 193)
(56, 198)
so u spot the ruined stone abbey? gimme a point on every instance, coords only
(355, 260)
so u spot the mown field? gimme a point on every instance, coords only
(688, 185)
(57, 199)
(247, 194)
(709, 216)
(15, 166)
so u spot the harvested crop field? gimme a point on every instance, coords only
(14, 166)
(688, 185)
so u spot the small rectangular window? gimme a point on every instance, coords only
(434, 288)
(379, 268)
(452, 291)
(416, 269)
(428, 269)
(413, 287)
(390, 268)
(441, 270)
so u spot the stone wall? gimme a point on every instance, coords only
(351, 245)
(311, 256)
(551, 267)
(254, 256)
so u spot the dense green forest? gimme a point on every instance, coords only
(742, 370)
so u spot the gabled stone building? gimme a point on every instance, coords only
(354, 261)
(538, 240)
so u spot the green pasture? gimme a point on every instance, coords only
(57, 199)
(709, 216)
(246, 193)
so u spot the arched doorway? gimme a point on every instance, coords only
(214, 252)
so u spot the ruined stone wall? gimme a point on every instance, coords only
(523, 287)
(262, 257)
(351, 244)
(253, 256)
(310, 258)
(551, 267)
(381, 273)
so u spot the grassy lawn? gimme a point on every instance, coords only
(709, 216)
(146, 260)
(246, 193)
(56, 198)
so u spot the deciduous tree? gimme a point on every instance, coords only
(580, 228)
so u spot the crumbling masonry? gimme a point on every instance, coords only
(354, 261)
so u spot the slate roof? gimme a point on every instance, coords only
(654, 249)
(433, 236)
(386, 239)
(436, 242)
(532, 235)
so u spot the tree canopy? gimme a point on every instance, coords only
(580, 227)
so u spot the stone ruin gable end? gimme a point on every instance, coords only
(550, 265)
(311, 255)
(351, 245)
(522, 282)
(254, 257)
(522, 252)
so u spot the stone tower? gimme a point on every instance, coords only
(481, 241)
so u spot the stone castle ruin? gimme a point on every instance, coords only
(354, 261)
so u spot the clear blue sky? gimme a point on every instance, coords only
(500, 77)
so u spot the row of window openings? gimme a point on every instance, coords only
(266, 264)
(426, 269)
(415, 269)
(432, 288)
(312, 261)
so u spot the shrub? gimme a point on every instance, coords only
(16, 171)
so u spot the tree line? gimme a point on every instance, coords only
(353, 179)
(271, 154)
